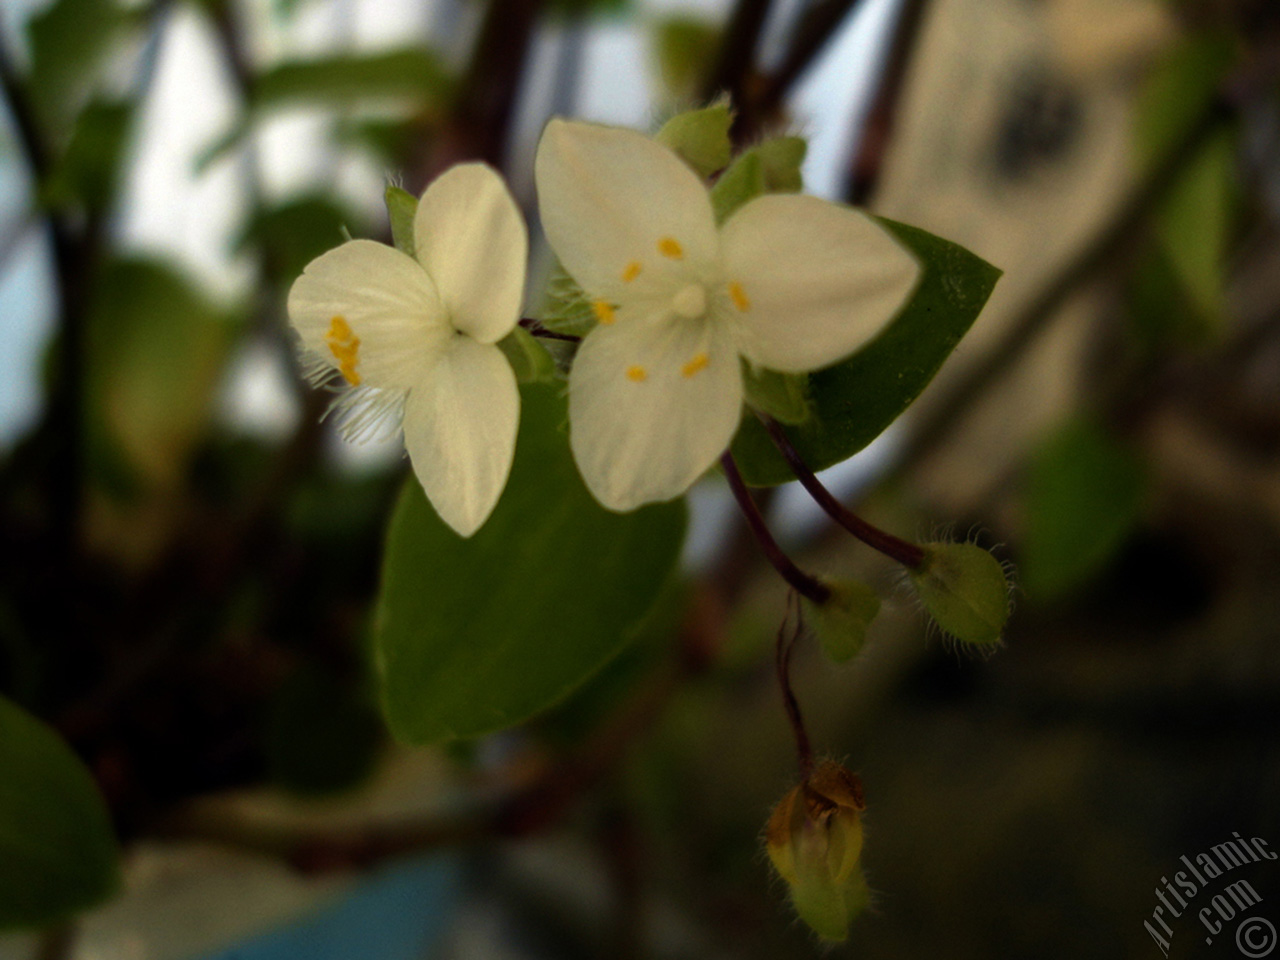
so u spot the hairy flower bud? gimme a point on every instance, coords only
(814, 839)
(840, 623)
(965, 591)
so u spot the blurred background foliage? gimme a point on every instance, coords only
(191, 558)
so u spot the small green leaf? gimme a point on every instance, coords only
(686, 47)
(855, 400)
(701, 137)
(965, 591)
(293, 234)
(783, 396)
(1194, 224)
(1084, 497)
(528, 358)
(412, 73)
(155, 348)
(70, 42)
(402, 206)
(742, 182)
(58, 852)
(769, 167)
(1178, 89)
(475, 635)
(841, 623)
(566, 308)
(87, 172)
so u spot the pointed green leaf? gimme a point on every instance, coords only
(855, 400)
(58, 852)
(701, 137)
(475, 635)
(783, 396)
(769, 167)
(528, 358)
(410, 73)
(402, 206)
(294, 233)
(686, 47)
(70, 41)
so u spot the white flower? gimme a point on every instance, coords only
(416, 337)
(791, 283)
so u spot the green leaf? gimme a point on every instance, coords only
(701, 137)
(411, 73)
(402, 207)
(475, 635)
(321, 736)
(155, 350)
(1178, 90)
(769, 167)
(965, 590)
(58, 852)
(1084, 498)
(70, 42)
(293, 234)
(528, 358)
(783, 396)
(87, 173)
(1194, 224)
(841, 623)
(855, 400)
(686, 47)
(566, 308)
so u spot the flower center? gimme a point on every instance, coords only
(690, 302)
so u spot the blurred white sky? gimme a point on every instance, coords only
(191, 218)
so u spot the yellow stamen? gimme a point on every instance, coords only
(345, 347)
(670, 247)
(637, 374)
(739, 297)
(603, 312)
(631, 272)
(699, 362)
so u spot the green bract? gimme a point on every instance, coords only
(855, 400)
(476, 635)
(57, 850)
(700, 137)
(841, 623)
(965, 591)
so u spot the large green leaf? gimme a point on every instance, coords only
(58, 853)
(409, 73)
(854, 401)
(71, 40)
(1084, 497)
(475, 635)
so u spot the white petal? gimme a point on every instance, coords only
(460, 430)
(651, 407)
(818, 280)
(612, 201)
(369, 310)
(470, 236)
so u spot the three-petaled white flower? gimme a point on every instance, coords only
(791, 283)
(416, 336)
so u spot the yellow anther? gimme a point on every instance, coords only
(637, 374)
(632, 271)
(603, 312)
(739, 297)
(699, 362)
(670, 247)
(345, 347)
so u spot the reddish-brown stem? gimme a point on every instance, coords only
(906, 553)
(786, 643)
(808, 586)
(536, 328)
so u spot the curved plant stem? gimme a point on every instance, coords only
(808, 586)
(906, 553)
(536, 328)
(786, 642)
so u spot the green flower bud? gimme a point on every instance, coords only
(814, 840)
(701, 137)
(965, 591)
(841, 623)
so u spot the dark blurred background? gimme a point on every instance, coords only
(191, 556)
